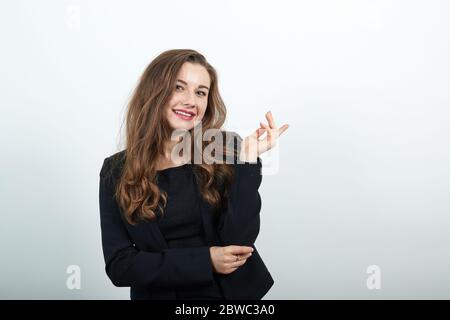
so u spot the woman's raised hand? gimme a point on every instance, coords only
(252, 146)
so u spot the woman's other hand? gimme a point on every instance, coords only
(227, 259)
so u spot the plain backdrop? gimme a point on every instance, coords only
(363, 172)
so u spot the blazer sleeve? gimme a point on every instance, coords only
(239, 223)
(126, 266)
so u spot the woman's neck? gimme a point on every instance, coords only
(166, 160)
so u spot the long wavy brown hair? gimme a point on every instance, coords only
(147, 130)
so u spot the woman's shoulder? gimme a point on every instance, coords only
(113, 165)
(232, 141)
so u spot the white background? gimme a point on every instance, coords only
(364, 169)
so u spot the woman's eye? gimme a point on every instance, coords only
(177, 87)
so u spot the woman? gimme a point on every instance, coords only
(173, 228)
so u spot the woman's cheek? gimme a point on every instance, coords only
(202, 113)
(200, 116)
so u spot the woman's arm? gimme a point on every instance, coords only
(127, 266)
(239, 223)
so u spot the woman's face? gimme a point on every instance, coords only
(189, 100)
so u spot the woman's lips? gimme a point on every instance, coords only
(183, 116)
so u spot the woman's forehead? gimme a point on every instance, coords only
(194, 74)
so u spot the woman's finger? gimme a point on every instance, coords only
(232, 270)
(236, 264)
(264, 126)
(270, 119)
(260, 132)
(283, 129)
(233, 249)
(232, 258)
(229, 259)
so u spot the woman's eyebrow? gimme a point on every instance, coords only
(185, 83)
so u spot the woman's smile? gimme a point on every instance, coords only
(184, 114)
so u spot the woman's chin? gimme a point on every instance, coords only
(175, 125)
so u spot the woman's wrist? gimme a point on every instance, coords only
(248, 155)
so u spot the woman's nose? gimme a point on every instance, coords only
(189, 98)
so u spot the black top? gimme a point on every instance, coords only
(181, 224)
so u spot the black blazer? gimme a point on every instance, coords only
(139, 257)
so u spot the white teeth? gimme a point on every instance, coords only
(183, 113)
